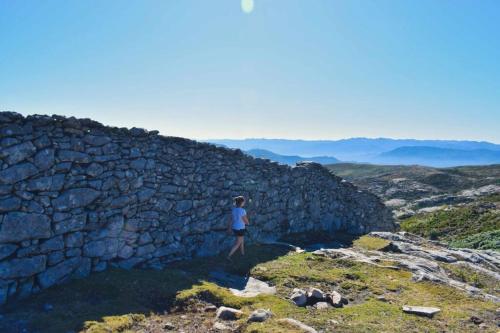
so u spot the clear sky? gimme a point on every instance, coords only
(305, 69)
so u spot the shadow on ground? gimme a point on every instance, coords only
(67, 307)
(114, 292)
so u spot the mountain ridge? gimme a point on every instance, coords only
(290, 159)
(357, 149)
(439, 157)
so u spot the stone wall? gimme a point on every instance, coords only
(77, 197)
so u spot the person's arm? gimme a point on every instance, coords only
(245, 219)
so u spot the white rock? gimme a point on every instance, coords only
(260, 315)
(225, 313)
(299, 325)
(321, 305)
(421, 310)
(316, 294)
(335, 299)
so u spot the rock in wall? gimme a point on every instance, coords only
(77, 197)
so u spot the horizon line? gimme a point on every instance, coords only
(345, 139)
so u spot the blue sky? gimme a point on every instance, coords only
(289, 69)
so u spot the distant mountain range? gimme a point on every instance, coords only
(438, 153)
(290, 159)
(439, 157)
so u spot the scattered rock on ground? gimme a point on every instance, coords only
(260, 315)
(476, 320)
(169, 326)
(299, 297)
(210, 308)
(382, 298)
(299, 325)
(335, 299)
(220, 327)
(483, 326)
(225, 313)
(321, 305)
(315, 294)
(421, 310)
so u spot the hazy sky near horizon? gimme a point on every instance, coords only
(307, 69)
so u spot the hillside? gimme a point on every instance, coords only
(290, 159)
(459, 205)
(473, 225)
(416, 182)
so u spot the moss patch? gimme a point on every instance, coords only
(113, 324)
(371, 243)
(477, 279)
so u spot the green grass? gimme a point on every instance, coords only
(113, 324)
(115, 301)
(468, 226)
(482, 241)
(477, 279)
(371, 243)
(360, 283)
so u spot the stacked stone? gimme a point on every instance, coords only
(77, 197)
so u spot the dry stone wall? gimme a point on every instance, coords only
(78, 197)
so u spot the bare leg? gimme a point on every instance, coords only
(236, 246)
(242, 246)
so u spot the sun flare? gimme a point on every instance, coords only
(247, 6)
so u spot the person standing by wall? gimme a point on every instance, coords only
(237, 225)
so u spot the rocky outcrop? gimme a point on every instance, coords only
(426, 260)
(77, 197)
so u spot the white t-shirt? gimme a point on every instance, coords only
(238, 214)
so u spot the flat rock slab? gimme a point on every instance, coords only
(240, 285)
(421, 310)
(298, 324)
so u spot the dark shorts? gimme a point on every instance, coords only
(240, 232)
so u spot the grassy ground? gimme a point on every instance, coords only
(477, 279)
(469, 226)
(117, 292)
(125, 301)
(361, 284)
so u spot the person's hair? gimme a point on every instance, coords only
(239, 200)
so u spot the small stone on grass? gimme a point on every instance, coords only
(225, 313)
(260, 315)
